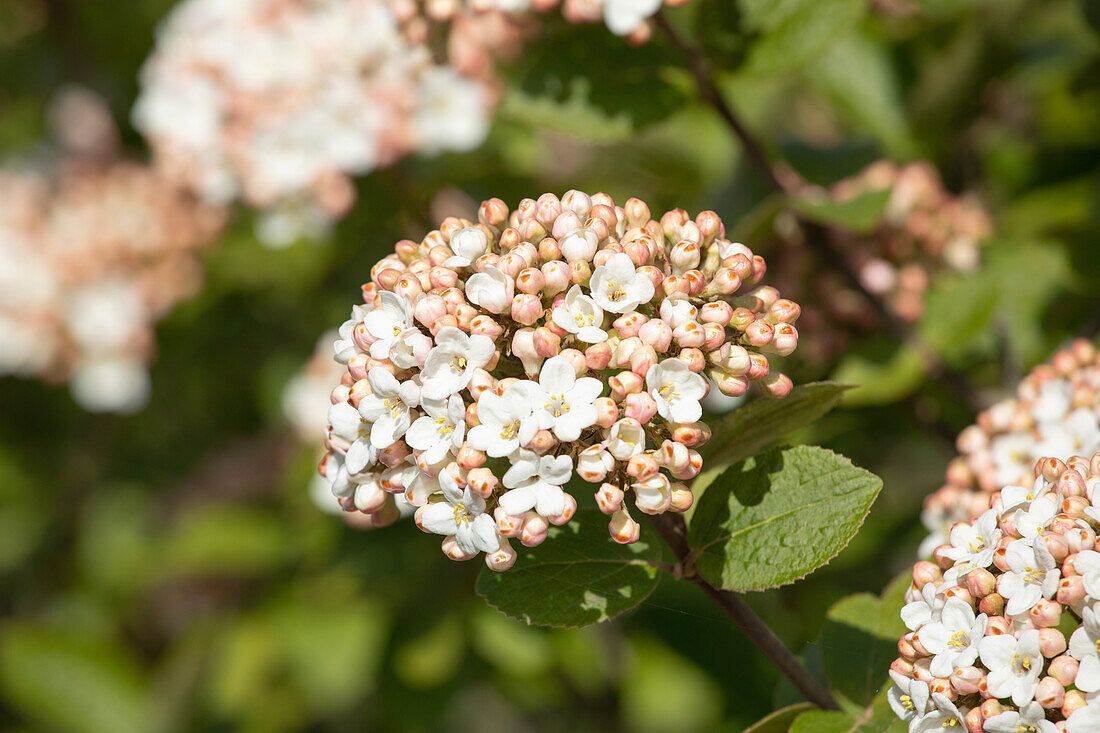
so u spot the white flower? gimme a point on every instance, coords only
(388, 407)
(568, 408)
(467, 244)
(579, 244)
(1085, 719)
(440, 431)
(358, 491)
(1017, 497)
(1032, 575)
(491, 289)
(452, 111)
(581, 315)
(676, 390)
(954, 638)
(507, 421)
(678, 311)
(1031, 718)
(627, 439)
(1074, 434)
(410, 349)
(1013, 456)
(344, 347)
(973, 545)
(1014, 665)
(351, 431)
(908, 698)
(928, 607)
(1084, 646)
(624, 16)
(653, 495)
(617, 287)
(535, 483)
(387, 322)
(451, 362)
(1087, 565)
(1036, 517)
(461, 514)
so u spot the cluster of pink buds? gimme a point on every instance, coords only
(94, 249)
(1055, 413)
(491, 361)
(1004, 624)
(280, 103)
(925, 230)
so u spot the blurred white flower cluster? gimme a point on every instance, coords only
(93, 251)
(280, 103)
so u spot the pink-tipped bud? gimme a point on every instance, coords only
(695, 360)
(681, 498)
(452, 549)
(1064, 669)
(625, 383)
(1050, 693)
(502, 559)
(594, 463)
(785, 340)
(607, 412)
(925, 572)
(656, 334)
(974, 720)
(534, 531)
(482, 482)
(526, 309)
(508, 525)
(629, 324)
(690, 334)
(965, 680)
(484, 325)
(609, 498)
(640, 406)
(567, 514)
(980, 582)
(685, 255)
(992, 604)
(598, 356)
(1052, 642)
(642, 466)
(642, 360)
(557, 277)
(1071, 590)
(623, 529)
(777, 385)
(759, 333)
(1073, 701)
(530, 281)
(523, 346)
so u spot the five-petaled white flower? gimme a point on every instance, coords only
(566, 402)
(1018, 497)
(624, 16)
(926, 608)
(1032, 575)
(467, 244)
(491, 289)
(387, 322)
(972, 545)
(507, 420)
(1014, 665)
(440, 431)
(388, 407)
(462, 515)
(953, 640)
(908, 697)
(617, 287)
(1031, 718)
(351, 431)
(1084, 646)
(580, 315)
(676, 390)
(451, 362)
(535, 483)
(1034, 517)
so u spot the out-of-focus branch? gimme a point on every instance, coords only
(672, 529)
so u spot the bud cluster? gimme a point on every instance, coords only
(280, 102)
(925, 230)
(1004, 625)
(492, 360)
(93, 251)
(1055, 413)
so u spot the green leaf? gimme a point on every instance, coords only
(884, 372)
(861, 214)
(780, 720)
(225, 540)
(860, 640)
(664, 692)
(578, 576)
(752, 428)
(828, 721)
(803, 34)
(72, 683)
(779, 516)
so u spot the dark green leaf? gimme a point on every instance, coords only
(803, 33)
(861, 214)
(578, 576)
(752, 428)
(774, 518)
(779, 721)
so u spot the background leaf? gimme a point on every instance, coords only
(777, 517)
(779, 721)
(794, 37)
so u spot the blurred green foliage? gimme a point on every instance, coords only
(167, 572)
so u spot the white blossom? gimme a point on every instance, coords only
(953, 640)
(535, 483)
(1031, 718)
(1032, 575)
(676, 390)
(908, 698)
(467, 244)
(461, 514)
(441, 430)
(567, 402)
(1084, 646)
(1014, 665)
(507, 421)
(388, 407)
(624, 16)
(1085, 719)
(926, 608)
(348, 426)
(451, 362)
(972, 545)
(491, 289)
(1087, 565)
(617, 286)
(581, 316)
(387, 322)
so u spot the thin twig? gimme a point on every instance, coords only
(672, 529)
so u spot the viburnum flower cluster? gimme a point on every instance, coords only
(1055, 413)
(281, 102)
(1004, 634)
(925, 231)
(491, 362)
(94, 249)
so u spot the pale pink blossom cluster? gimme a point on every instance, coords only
(492, 361)
(280, 103)
(1055, 413)
(1004, 626)
(629, 18)
(925, 231)
(93, 251)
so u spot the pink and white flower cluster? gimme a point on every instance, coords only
(492, 361)
(1055, 413)
(94, 249)
(281, 102)
(1004, 633)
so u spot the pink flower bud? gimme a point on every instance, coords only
(607, 412)
(1071, 590)
(992, 605)
(502, 559)
(1064, 669)
(685, 255)
(657, 334)
(676, 286)
(694, 359)
(642, 466)
(729, 385)
(682, 498)
(965, 680)
(689, 334)
(493, 214)
(655, 276)
(758, 366)
(542, 442)
(642, 360)
(452, 550)
(629, 324)
(598, 356)
(640, 406)
(624, 383)
(639, 251)
(759, 333)
(1050, 693)
(557, 276)
(785, 340)
(508, 525)
(1073, 701)
(394, 455)
(576, 360)
(691, 434)
(1052, 642)
(609, 498)
(534, 530)
(530, 280)
(777, 385)
(469, 458)
(523, 347)
(980, 582)
(594, 463)
(568, 513)
(579, 272)
(526, 309)
(925, 572)
(482, 482)
(974, 720)
(578, 202)
(636, 212)
(623, 529)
